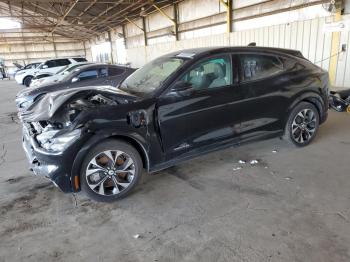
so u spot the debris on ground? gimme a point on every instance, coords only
(237, 168)
(136, 236)
(274, 151)
(288, 178)
(241, 161)
(254, 162)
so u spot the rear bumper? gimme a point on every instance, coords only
(41, 163)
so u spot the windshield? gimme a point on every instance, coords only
(61, 70)
(149, 78)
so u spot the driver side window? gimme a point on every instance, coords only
(210, 73)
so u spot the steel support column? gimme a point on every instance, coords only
(335, 46)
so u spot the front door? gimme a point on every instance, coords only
(203, 114)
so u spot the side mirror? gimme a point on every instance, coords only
(75, 79)
(45, 66)
(181, 87)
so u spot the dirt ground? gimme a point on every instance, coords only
(293, 205)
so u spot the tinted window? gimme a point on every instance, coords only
(51, 63)
(115, 71)
(254, 67)
(210, 73)
(103, 72)
(79, 59)
(62, 62)
(89, 74)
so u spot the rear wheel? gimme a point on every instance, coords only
(27, 80)
(302, 124)
(110, 171)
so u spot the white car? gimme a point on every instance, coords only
(49, 67)
(43, 79)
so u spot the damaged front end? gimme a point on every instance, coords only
(56, 126)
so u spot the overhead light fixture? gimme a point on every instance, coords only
(143, 12)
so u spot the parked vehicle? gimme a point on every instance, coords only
(46, 79)
(181, 105)
(23, 70)
(48, 67)
(88, 75)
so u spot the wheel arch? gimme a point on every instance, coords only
(26, 77)
(93, 141)
(312, 98)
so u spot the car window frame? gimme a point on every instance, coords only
(240, 72)
(118, 68)
(90, 69)
(99, 71)
(230, 55)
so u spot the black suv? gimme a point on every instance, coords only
(178, 106)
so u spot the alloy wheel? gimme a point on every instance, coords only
(110, 172)
(304, 126)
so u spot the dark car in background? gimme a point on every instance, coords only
(178, 106)
(86, 75)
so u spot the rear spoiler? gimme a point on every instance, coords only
(292, 52)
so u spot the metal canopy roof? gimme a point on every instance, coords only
(77, 19)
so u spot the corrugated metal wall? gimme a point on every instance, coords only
(308, 36)
(28, 46)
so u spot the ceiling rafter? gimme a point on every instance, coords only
(76, 19)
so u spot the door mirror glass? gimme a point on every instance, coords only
(75, 79)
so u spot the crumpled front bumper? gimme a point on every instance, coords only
(42, 163)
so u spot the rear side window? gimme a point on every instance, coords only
(114, 71)
(79, 59)
(51, 63)
(103, 72)
(86, 75)
(255, 67)
(62, 62)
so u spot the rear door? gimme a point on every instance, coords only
(201, 116)
(263, 83)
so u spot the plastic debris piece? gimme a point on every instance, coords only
(253, 162)
(266, 167)
(274, 151)
(241, 162)
(237, 168)
(136, 236)
(288, 178)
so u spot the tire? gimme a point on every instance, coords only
(302, 124)
(117, 184)
(27, 80)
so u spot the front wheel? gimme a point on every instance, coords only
(27, 81)
(110, 171)
(302, 125)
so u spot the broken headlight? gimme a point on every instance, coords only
(53, 143)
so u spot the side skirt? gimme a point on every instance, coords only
(212, 148)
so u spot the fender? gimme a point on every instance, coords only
(97, 137)
(311, 97)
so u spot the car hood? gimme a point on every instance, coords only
(18, 65)
(47, 105)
